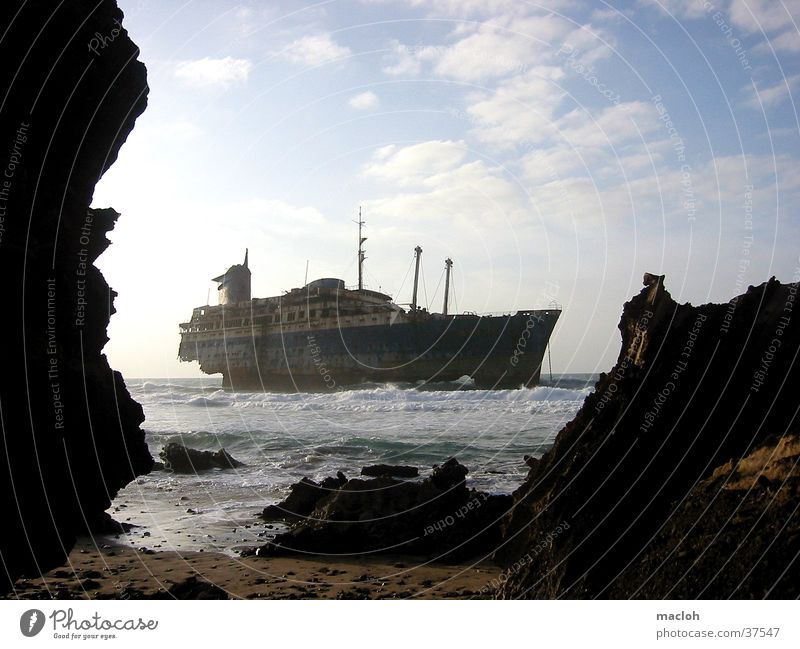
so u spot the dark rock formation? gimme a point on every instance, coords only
(647, 492)
(734, 533)
(390, 471)
(437, 517)
(181, 459)
(194, 588)
(102, 523)
(450, 475)
(71, 436)
(302, 499)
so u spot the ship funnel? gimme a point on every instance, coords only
(448, 265)
(417, 257)
(234, 284)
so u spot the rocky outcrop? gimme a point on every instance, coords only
(439, 517)
(302, 499)
(678, 476)
(390, 471)
(71, 436)
(178, 458)
(734, 533)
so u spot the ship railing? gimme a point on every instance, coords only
(496, 314)
(366, 287)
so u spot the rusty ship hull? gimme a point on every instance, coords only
(495, 351)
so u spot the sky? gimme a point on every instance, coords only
(555, 150)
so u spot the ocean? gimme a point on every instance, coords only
(283, 437)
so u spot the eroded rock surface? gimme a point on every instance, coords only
(390, 470)
(438, 517)
(302, 499)
(668, 473)
(71, 431)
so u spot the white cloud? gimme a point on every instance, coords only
(507, 45)
(772, 95)
(364, 100)
(751, 16)
(712, 190)
(484, 55)
(470, 194)
(519, 109)
(406, 60)
(789, 41)
(613, 126)
(587, 44)
(211, 73)
(545, 165)
(416, 163)
(502, 48)
(471, 8)
(769, 15)
(607, 15)
(680, 8)
(314, 50)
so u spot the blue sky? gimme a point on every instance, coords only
(555, 150)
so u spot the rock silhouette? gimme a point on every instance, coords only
(678, 476)
(71, 434)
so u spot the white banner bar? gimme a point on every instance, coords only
(388, 624)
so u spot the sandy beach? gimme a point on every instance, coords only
(101, 569)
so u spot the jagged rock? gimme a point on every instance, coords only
(181, 459)
(302, 498)
(449, 475)
(390, 471)
(437, 517)
(72, 437)
(194, 588)
(693, 392)
(104, 523)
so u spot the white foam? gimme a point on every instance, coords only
(393, 399)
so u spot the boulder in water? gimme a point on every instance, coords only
(181, 459)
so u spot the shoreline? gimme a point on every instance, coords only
(103, 568)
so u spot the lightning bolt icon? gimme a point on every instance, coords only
(32, 621)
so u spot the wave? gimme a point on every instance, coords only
(384, 398)
(218, 398)
(390, 398)
(201, 439)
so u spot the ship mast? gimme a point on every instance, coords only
(448, 264)
(361, 256)
(417, 256)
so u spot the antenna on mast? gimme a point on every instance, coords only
(361, 256)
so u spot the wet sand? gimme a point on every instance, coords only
(98, 569)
